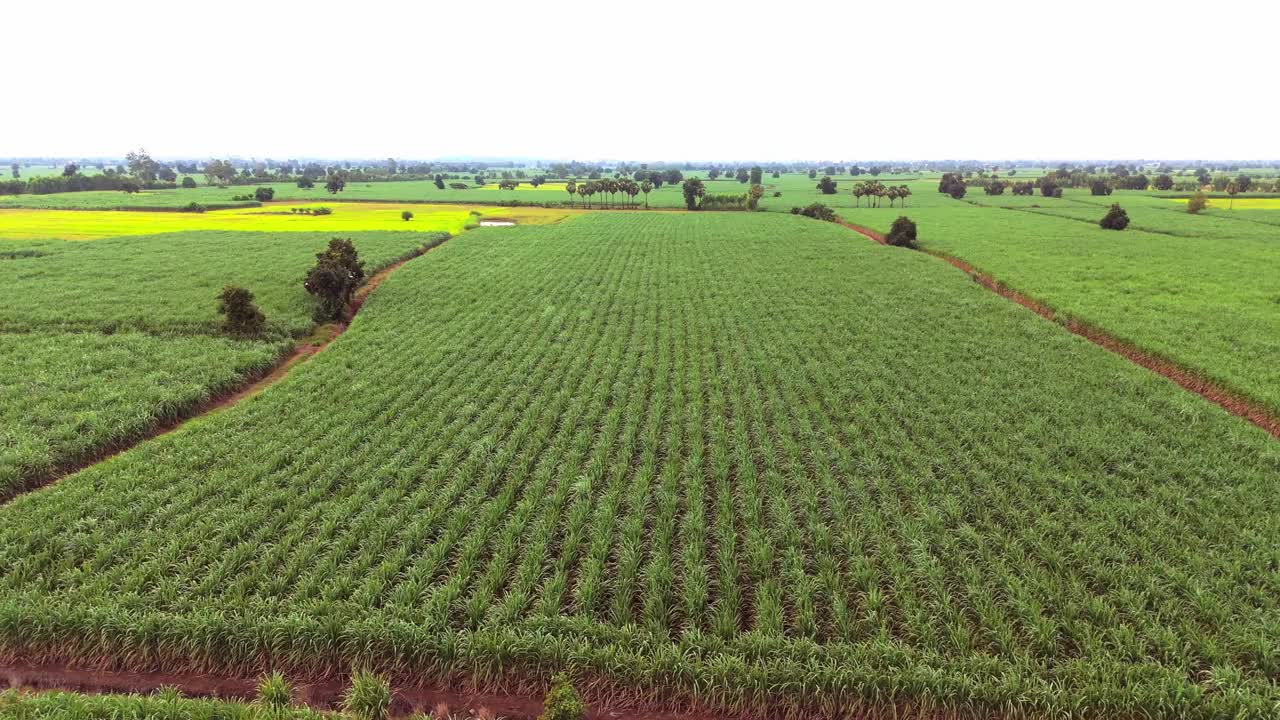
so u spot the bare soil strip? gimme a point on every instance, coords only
(252, 385)
(318, 695)
(1232, 402)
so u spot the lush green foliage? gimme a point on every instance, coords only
(163, 705)
(166, 283)
(688, 454)
(65, 396)
(1197, 289)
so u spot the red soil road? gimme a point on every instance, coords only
(252, 386)
(1232, 402)
(318, 695)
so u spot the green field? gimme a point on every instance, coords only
(747, 458)
(104, 340)
(1199, 290)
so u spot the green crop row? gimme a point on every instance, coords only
(753, 460)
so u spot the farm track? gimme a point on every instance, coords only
(252, 385)
(1232, 402)
(321, 695)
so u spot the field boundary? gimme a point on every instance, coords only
(253, 383)
(1231, 401)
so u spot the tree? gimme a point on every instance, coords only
(536, 180)
(1197, 203)
(827, 185)
(264, 194)
(335, 184)
(902, 233)
(582, 193)
(672, 177)
(713, 173)
(904, 192)
(1049, 186)
(1232, 189)
(16, 170)
(952, 184)
(70, 169)
(757, 175)
(337, 273)
(188, 182)
(571, 187)
(1100, 188)
(1244, 182)
(406, 215)
(220, 172)
(166, 174)
(994, 187)
(439, 182)
(693, 190)
(812, 173)
(241, 317)
(142, 166)
(753, 196)
(646, 187)
(1115, 219)
(306, 183)
(1163, 183)
(130, 186)
(742, 175)
(859, 189)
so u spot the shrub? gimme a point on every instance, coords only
(130, 186)
(193, 207)
(334, 279)
(275, 695)
(458, 186)
(368, 698)
(994, 187)
(242, 317)
(827, 185)
(562, 701)
(902, 234)
(1100, 187)
(1049, 187)
(406, 216)
(816, 210)
(335, 184)
(1115, 219)
(1197, 203)
(777, 194)
(188, 182)
(306, 183)
(264, 194)
(322, 211)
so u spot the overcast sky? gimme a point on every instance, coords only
(646, 80)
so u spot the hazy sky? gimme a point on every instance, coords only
(646, 80)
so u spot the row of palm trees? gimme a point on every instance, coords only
(875, 191)
(608, 189)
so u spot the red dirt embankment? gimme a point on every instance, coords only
(1232, 402)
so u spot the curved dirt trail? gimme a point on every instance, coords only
(252, 385)
(1232, 402)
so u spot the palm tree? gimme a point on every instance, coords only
(645, 187)
(904, 192)
(583, 191)
(571, 188)
(1232, 189)
(857, 195)
(892, 194)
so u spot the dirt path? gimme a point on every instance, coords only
(254, 384)
(318, 695)
(1232, 402)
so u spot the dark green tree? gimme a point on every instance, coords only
(241, 317)
(337, 273)
(902, 233)
(693, 190)
(1115, 219)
